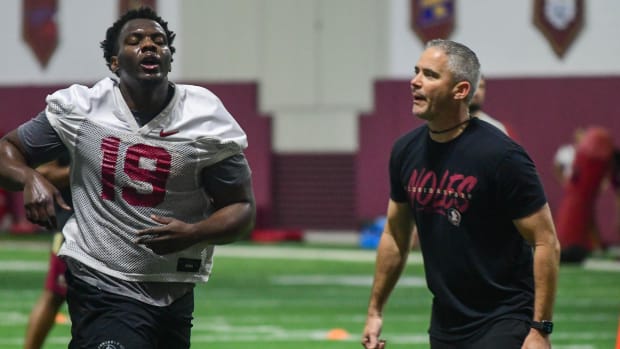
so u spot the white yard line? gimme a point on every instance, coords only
(302, 253)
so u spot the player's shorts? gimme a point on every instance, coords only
(106, 320)
(505, 334)
(55, 280)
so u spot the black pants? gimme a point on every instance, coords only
(504, 334)
(105, 320)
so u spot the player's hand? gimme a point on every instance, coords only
(172, 235)
(370, 337)
(39, 198)
(535, 340)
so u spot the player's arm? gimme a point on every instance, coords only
(55, 173)
(233, 199)
(14, 171)
(229, 184)
(392, 253)
(538, 229)
(16, 174)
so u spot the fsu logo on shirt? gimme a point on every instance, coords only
(454, 217)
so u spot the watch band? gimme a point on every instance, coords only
(544, 326)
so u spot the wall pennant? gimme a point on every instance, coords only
(39, 28)
(126, 5)
(560, 21)
(432, 19)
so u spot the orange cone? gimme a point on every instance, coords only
(618, 337)
(337, 334)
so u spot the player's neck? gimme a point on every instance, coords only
(147, 99)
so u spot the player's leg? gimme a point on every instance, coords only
(42, 319)
(43, 314)
(176, 323)
(104, 320)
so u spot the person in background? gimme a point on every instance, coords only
(491, 255)
(45, 311)
(475, 106)
(565, 157)
(158, 177)
(588, 172)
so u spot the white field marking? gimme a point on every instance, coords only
(584, 336)
(603, 265)
(13, 318)
(341, 280)
(302, 253)
(19, 265)
(563, 317)
(26, 245)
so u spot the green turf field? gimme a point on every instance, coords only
(292, 296)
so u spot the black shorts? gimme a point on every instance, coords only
(504, 333)
(106, 320)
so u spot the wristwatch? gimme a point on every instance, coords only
(544, 326)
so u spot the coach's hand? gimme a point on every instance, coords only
(171, 236)
(536, 340)
(370, 337)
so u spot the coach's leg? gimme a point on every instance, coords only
(505, 334)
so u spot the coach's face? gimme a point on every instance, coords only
(432, 85)
(143, 52)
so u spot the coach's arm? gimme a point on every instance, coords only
(539, 231)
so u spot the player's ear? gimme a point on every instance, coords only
(461, 90)
(114, 66)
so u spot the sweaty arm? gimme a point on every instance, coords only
(229, 184)
(56, 173)
(392, 253)
(17, 174)
(538, 229)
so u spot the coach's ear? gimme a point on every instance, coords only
(461, 90)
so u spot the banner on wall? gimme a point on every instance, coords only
(560, 21)
(126, 5)
(40, 29)
(432, 19)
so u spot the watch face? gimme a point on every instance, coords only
(547, 326)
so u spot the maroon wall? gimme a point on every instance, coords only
(543, 112)
(314, 191)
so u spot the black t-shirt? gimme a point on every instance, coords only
(464, 195)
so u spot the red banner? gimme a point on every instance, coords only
(432, 19)
(40, 30)
(126, 5)
(560, 21)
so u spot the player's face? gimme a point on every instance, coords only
(431, 86)
(143, 54)
(478, 98)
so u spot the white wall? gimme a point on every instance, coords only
(315, 60)
(508, 44)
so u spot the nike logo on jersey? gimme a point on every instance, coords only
(163, 133)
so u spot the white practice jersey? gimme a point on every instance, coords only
(122, 173)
